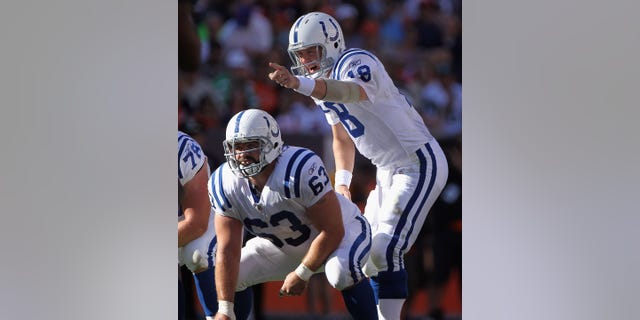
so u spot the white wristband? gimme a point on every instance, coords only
(343, 177)
(226, 308)
(306, 85)
(303, 272)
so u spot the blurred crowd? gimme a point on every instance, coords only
(418, 41)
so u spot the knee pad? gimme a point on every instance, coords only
(378, 255)
(194, 260)
(338, 274)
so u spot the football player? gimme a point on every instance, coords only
(196, 236)
(196, 231)
(368, 113)
(283, 196)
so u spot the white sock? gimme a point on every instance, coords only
(390, 309)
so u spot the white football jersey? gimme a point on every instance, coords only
(278, 213)
(200, 252)
(190, 157)
(386, 128)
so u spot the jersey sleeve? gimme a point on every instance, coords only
(362, 67)
(308, 179)
(220, 187)
(191, 158)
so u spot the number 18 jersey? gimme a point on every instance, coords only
(386, 129)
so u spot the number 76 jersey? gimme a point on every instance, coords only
(278, 213)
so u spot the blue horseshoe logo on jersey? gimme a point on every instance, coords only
(326, 34)
(274, 134)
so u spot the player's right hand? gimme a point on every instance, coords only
(292, 285)
(283, 77)
(343, 190)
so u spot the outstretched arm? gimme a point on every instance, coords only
(323, 89)
(326, 216)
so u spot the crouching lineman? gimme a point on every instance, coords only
(282, 194)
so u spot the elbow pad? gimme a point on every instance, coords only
(341, 91)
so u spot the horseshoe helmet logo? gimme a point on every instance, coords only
(326, 34)
(274, 134)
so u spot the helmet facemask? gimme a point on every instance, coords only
(322, 65)
(255, 127)
(235, 146)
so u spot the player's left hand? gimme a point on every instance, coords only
(293, 285)
(283, 77)
(343, 190)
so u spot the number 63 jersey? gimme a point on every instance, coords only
(278, 213)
